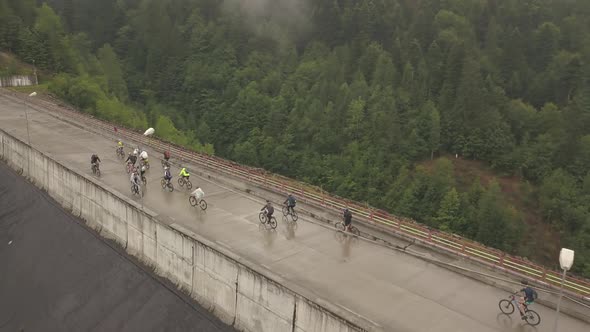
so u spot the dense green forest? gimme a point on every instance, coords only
(354, 96)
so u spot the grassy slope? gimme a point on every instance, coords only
(10, 65)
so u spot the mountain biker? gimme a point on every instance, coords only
(135, 179)
(347, 216)
(94, 160)
(167, 175)
(184, 173)
(530, 295)
(198, 194)
(269, 209)
(120, 147)
(142, 171)
(144, 157)
(131, 159)
(290, 202)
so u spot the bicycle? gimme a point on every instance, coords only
(264, 220)
(201, 202)
(119, 152)
(130, 168)
(95, 169)
(135, 189)
(290, 212)
(167, 184)
(340, 227)
(144, 180)
(144, 163)
(507, 307)
(165, 163)
(182, 181)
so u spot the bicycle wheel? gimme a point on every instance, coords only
(273, 222)
(532, 317)
(192, 200)
(355, 231)
(203, 205)
(339, 226)
(189, 185)
(284, 210)
(134, 189)
(144, 180)
(506, 306)
(170, 187)
(163, 183)
(262, 217)
(98, 172)
(180, 182)
(294, 216)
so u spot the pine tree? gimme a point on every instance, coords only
(449, 215)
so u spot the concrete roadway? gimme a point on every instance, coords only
(57, 275)
(393, 289)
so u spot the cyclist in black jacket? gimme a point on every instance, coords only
(347, 219)
(269, 209)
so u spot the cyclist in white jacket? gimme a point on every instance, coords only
(198, 194)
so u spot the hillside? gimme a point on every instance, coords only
(353, 97)
(515, 191)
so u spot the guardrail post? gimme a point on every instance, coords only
(544, 276)
(429, 235)
(501, 261)
(371, 215)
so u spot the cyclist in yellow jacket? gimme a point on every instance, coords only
(184, 173)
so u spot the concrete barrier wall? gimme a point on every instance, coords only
(239, 292)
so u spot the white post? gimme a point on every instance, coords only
(566, 260)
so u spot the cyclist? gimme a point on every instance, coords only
(135, 180)
(184, 173)
(530, 295)
(142, 171)
(131, 159)
(94, 160)
(198, 194)
(290, 202)
(347, 219)
(120, 147)
(269, 209)
(144, 157)
(167, 175)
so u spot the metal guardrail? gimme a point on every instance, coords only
(448, 242)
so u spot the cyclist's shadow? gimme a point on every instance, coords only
(268, 235)
(290, 228)
(347, 241)
(506, 322)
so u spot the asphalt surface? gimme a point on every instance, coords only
(57, 275)
(391, 288)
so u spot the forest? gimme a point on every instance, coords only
(378, 101)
